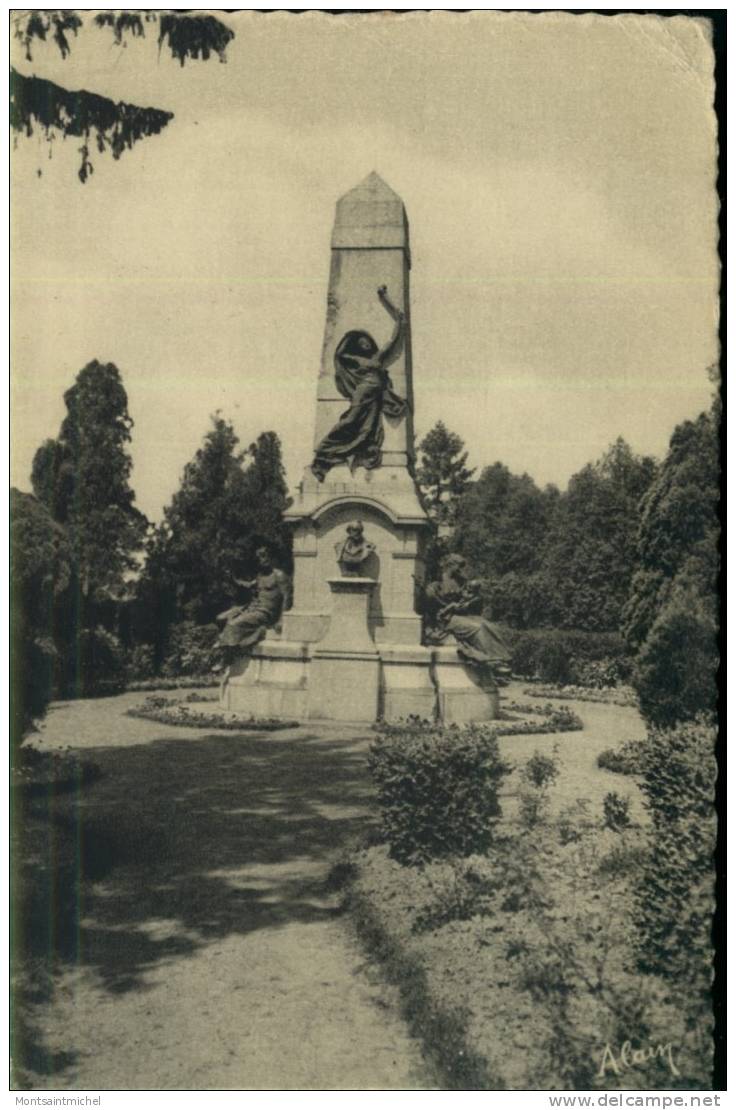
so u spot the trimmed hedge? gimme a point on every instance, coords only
(675, 896)
(619, 695)
(437, 789)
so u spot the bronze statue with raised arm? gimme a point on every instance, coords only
(361, 376)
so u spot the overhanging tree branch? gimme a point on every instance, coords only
(115, 125)
(36, 101)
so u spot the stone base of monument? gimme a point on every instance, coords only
(298, 681)
(270, 682)
(460, 697)
(343, 686)
(407, 687)
(346, 676)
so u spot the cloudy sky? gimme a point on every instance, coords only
(558, 173)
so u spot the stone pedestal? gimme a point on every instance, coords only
(460, 698)
(270, 682)
(343, 680)
(407, 689)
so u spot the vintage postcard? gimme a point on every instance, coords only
(364, 533)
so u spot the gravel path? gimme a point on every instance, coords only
(209, 954)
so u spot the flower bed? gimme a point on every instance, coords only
(555, 719)
(525, 955)
(168, 711)
(617, 695)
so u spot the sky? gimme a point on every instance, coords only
(558, 172)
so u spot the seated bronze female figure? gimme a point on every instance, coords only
(454, 608)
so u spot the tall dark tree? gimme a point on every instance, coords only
(83, 478)
(40, 576)
(671, 616)
(502, 526)
(591, 553)
(229, 501)
(442, 474)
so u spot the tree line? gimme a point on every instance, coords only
(625, 559)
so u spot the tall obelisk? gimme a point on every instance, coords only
(370, 248)
(369, 251)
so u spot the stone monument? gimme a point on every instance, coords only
(350, 647)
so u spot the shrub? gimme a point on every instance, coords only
(541, 770)
(600, 674)
(572, 820)
(594, 659)
(675, 672)
(467, 893)
(437, 789)
(141, 664)
(190, 649)
(626, 760)
(674, 899)
(616, 811)
(555, 718)
(538, 774)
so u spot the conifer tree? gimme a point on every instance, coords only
(442, 475)
(83, 478)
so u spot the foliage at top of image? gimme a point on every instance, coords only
(191, 36)
(36, 101)
(39, 24)
(122, 23)
(187, 36)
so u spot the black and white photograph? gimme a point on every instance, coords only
(365, 472)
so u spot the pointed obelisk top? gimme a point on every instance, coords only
(370, 215)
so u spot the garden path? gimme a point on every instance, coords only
(204, 951)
